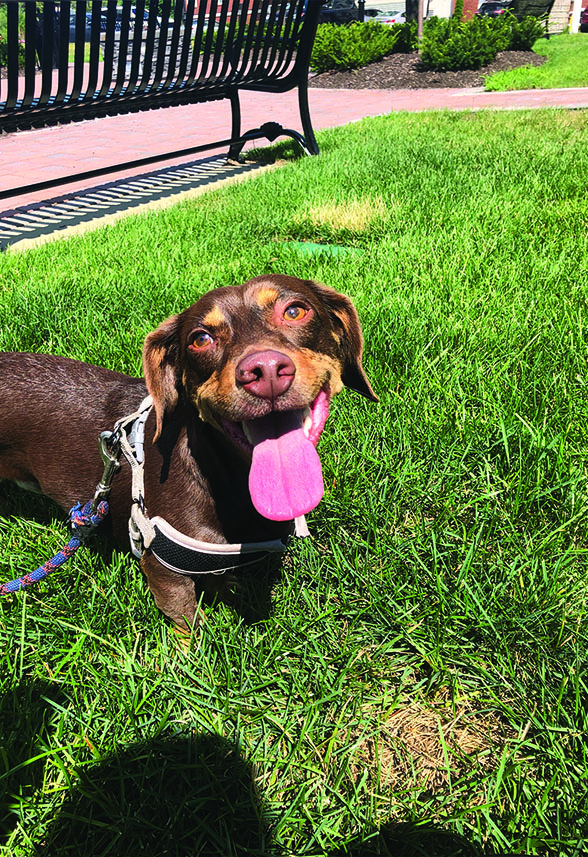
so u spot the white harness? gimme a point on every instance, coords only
(174, 550)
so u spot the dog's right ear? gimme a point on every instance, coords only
(161, 368)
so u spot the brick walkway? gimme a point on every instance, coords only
(40, 154)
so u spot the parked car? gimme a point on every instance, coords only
(584, 20)
(339, 12)
(493, 8)
(390, 17)
(104, 18)
(72, 27)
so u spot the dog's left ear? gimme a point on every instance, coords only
(346, 322)
(161, 368)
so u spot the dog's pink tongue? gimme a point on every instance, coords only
(285, 480)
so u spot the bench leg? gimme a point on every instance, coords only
(272, 130)
(311, 145)
(235, 148)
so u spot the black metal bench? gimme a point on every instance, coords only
(82, 59)
(537, 8)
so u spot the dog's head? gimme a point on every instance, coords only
(260, 362)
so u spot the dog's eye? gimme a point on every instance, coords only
(200, 339)
(295, 312)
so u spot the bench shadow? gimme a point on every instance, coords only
(178, 797)
(106, 199)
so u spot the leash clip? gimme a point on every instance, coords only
(109, 446)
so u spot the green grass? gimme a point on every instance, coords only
(72, 52)
(567, 65)
(419, 684)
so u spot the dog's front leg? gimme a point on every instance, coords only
(174, 593)
(220, 587)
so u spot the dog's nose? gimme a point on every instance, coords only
(265, 374)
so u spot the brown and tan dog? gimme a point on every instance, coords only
(241, 383)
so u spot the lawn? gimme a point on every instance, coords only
(419, 684)
(567, 65)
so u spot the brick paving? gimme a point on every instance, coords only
(36, 155)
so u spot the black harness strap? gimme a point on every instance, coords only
(189, 561)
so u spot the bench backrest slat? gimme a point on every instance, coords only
(174, 46)
(12, 36)
(292, 25)
(63, 50)
(125, 26)
(79, 50)
(186, 55)
(30, 56)
(219, 68)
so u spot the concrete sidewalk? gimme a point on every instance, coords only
(37, 155)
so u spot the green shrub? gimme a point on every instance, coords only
(447, 44)
(4, 52)
(351, 45)
(450, 45)
(515, 35)
(407, 39)
(524, 33)
(501, 31)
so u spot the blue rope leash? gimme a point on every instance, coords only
(84, 520)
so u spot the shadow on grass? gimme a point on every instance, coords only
(16, 502)
(412, 840)
(174, 797)
(252, 599)
(25, 711)
(177, 796)
(189, 797)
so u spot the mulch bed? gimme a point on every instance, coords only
(405, 71)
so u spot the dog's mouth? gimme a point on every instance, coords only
(285, 479)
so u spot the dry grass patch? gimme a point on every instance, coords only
(430, 746)
(353, 215)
